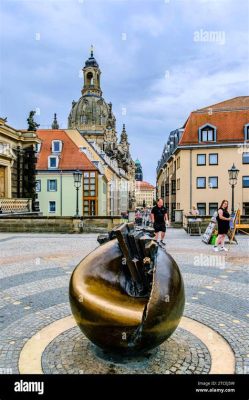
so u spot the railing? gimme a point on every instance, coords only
(8, 206)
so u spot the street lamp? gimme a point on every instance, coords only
(77, 175)
(233, 176)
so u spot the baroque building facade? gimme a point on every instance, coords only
(145, 194)
(17, 168)
(95, 120)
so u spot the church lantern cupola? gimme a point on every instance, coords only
(91, 74)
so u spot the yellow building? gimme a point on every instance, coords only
(145, 194)
(194, 166)
(17, 168)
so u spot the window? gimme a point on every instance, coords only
(201, 159)
(178, 163)
(89, 79)
(38, 185)
(245, 158)
(173, 207)
(162, 190)
(104, 187)
(245, 181)
(201, 183)
(213, 159)
(207, 133)
(246, 131)
(37, 147)
(52, 206)
(167, 189)
(212, 208)
(213, 182)
(56, 146)
(201, 208)
(52, 185)
(52, 162)
(102, 119)
(83, 119)
(90, 193)
(89, 207)
(173, 187)
(178, 184)
(245, 208)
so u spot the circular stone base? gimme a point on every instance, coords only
(72, 353)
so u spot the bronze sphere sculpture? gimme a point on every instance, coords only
(127, 296)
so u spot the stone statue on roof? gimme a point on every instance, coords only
(32, 125)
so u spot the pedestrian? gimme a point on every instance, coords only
(159, 217)
(223, 219)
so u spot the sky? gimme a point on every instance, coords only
(160, 60)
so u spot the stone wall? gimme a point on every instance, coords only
(58, 224)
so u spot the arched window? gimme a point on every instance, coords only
(207, 133)
(102, 119)
(83, 119)
(89, 78)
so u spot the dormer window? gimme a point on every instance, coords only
(246, 131)
(56, 146)
(53, 162)
(207, 133)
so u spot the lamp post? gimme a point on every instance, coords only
(77, 175)
(233, 176)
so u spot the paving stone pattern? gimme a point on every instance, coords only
(34, 275)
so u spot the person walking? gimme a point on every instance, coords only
(159, 217)
(223, 219)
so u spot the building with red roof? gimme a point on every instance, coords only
(58, 158)
(193, 170)
(145, 194)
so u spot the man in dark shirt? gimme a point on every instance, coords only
(159, 217)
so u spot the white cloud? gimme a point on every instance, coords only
(187, 89)
(147, 23)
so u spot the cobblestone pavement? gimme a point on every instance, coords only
(34, 275)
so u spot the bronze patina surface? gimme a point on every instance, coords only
(127, 296)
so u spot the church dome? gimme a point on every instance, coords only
(91, 62)
(90, 110)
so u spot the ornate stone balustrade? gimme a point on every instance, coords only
(8, 206)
